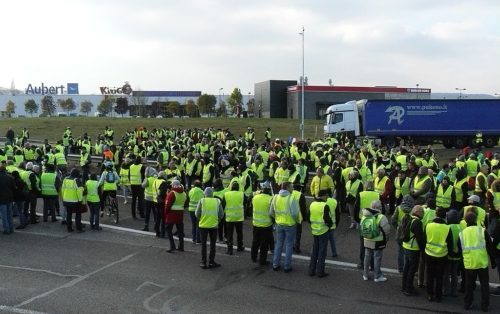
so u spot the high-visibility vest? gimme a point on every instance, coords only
(404, 189)
(471, 167)
(48, 184)
(282, 212)
(92, 191)
(220, 194)
(156, 188)
(332, 204)
(281, 175)
(60, 159)
(207, 175)
(226, 177)
(180, 199)
(109, 186)
(190, 167)
(70, 191)
(418, 182)
(436, 239)
(259, 170)
(366, 198)
(83, 159)
(455, 231)
(296, 196)
(261, 203)
(459, 196)
(380, 184)
(135, 174)
(477, 187)
(429, 215)
(124, 180)
(209, 217)
(149, 189)
(402, 160)
(481, 215)
(352, 187)
(243, 180)
(496, 200)
(234, 206)
(25, 175)
(443, 198)
(474, 248)
(318, 226)
(412, 243)
(195, 195)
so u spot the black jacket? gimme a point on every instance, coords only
(7, 188)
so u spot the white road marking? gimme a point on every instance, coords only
(75, 281)
(19, 311)
(38, 271)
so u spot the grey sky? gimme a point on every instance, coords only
(206, 45)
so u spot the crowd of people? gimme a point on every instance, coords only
(445, 217)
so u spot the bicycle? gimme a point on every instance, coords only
(111, 208)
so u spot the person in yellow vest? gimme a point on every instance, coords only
(383, 186)
(91, 191)
(108, 182)
(450, 282)
(208, 212)
(72, 196)
(136, 177)
(33, 182)
(175, 203)
(354, 186)
(282, 174)
(482, 219)
(321, 222)
(476, 248)
(375, 238)
(149, 196)
(461, 187)
(481, 184)
(320, 182)
(208, 172)
(194, 197)
(85, 162)
(50, 187)
(262, 224)
(366, 198)
(420, 186)
(445, 194)
(400, 212)
(439, 241)
(233, 204)
(285, 210)
(304, 215)
(401, 186)
(125, 179)
(413, 244)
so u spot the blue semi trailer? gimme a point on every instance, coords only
(454, 123)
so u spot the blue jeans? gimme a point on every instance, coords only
(6, 213)
(331, 238)
(195, 231)
(19, 208)
(285, 235)
(94, 209)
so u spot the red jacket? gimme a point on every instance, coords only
(173, 216)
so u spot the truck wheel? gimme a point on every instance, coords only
(460, 142)
(448, 143)
(489, 142)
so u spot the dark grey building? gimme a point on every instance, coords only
(271, 98)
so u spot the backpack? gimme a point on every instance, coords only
(403, 230)
(369, 227)
(110, 177)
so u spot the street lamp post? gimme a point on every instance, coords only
(460, 91)
(302, 83)
(418, 90)
(220, 90)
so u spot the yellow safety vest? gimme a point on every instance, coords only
(318, 226)
(180, 199)
(124, 180)
(459, 196)
(48, 184)
(412, 244)
(477, 188)
(149, 189)
(436, 239)
(380, 184)
(481, 215)
(209, 217)
(195, 195)
(261, 203)
(234, 206)
(402, 190)
(332, 204)
(70, 191)
(156, 188)
(443, 198)
(366, 198)
(135, 174)
(283, 215)
(474, 248)
(92, 191)
(352, 187)
(471, 167)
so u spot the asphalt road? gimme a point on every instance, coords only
(43, 269)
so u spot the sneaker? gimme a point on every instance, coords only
(213, 265)
(365, 278)
(125, 202)
(380, 279)
(203, 265)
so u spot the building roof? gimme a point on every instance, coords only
(358, 89)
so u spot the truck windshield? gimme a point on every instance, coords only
(336, 118)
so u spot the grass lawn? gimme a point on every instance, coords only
(53, 128)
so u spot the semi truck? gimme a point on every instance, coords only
(454, 123)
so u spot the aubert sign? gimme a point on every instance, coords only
(45, 90)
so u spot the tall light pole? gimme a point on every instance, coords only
(302, 83)
(460, 91)
(418, 90)
(220, 90)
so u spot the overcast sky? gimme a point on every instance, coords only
(210, 44)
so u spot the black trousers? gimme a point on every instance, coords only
(435, 270)
(470, 280)
(30, 205)
(230, 226)
(150, 207)
(298, 236)
(70, 209)
(137, 200)
(159, 224)
(180, 235)
(262, 238)
(411, 259)
(205, 233)
(222, 231)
